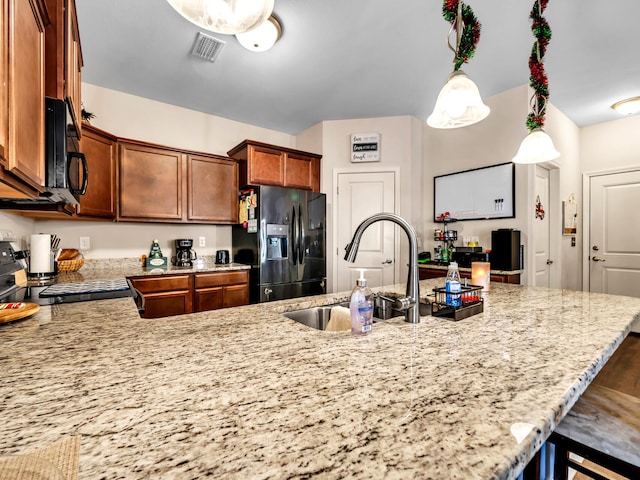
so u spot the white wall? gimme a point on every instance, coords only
(611, 145)
(566, 138)
(401, 146)
(494, 140)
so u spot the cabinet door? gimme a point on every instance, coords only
(265, 166)
(165, 295)
(151, 184)
(212, 190)
(4, 79)
(73, 63)
(208, 299)
(300, 172)
(26, 155)
(236, 295)
(100, 149)
(166, 304)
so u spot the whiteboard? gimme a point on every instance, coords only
(478, 194)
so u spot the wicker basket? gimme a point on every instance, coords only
(70, 265)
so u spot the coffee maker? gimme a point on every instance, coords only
(184, 253)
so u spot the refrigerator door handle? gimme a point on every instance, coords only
(294, 236)
(300, 235)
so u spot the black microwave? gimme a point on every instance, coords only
(66, 172)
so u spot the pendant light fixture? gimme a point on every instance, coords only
(459, 103)
(537, 146)
(229, 17)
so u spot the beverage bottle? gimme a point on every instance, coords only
(453, 286)
(361, 307)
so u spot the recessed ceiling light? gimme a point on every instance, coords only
(628, 106)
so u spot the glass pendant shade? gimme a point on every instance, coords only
(261, 38)
(459, 104)
(536, 147)
(228, 17)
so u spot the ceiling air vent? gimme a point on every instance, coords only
(207, 47)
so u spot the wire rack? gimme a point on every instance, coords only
(457, 305)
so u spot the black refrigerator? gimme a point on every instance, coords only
(282, 235)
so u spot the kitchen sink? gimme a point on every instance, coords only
(318, 317)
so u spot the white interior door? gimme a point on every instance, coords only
(543, 261)
(614, 234)
(361, 195)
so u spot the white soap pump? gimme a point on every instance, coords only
(361, 306)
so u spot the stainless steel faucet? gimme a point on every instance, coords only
(410, 305)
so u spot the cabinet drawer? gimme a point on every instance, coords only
(164, 283)
(218, 279)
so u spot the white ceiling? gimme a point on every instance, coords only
(341, 59)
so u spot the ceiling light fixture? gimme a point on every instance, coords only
(459, 103)
(629, 106)
(228, 17)
(537, 146)
(263, 37)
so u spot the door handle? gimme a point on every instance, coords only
(387, 261)
(597, 259)
(549, 261)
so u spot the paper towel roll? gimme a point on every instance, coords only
(40, 256)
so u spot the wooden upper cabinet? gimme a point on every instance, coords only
(151, 183)
(264, 164)
(24, 151)
(64, 56)
(302, 171)
(212, 189)
(101, 151)
(4, 80)
(73, 64)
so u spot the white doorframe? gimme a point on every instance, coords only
(334, 217)
(586, 216)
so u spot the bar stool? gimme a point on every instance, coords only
(603, 427)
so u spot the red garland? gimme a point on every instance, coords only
(538, 79)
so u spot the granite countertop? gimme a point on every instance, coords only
(108, 269)
(248, 393)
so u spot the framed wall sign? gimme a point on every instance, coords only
(365, 147)
(479, 194)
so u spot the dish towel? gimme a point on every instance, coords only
(339, 320)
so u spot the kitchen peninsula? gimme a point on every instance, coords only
(248, 393)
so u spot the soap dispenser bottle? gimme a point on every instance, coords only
(361, 307)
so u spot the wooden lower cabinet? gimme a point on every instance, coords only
(165, 295)
(426, 273)
(177, 294)
(221, 290)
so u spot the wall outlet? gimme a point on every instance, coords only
(85, 243)
(202, 241)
